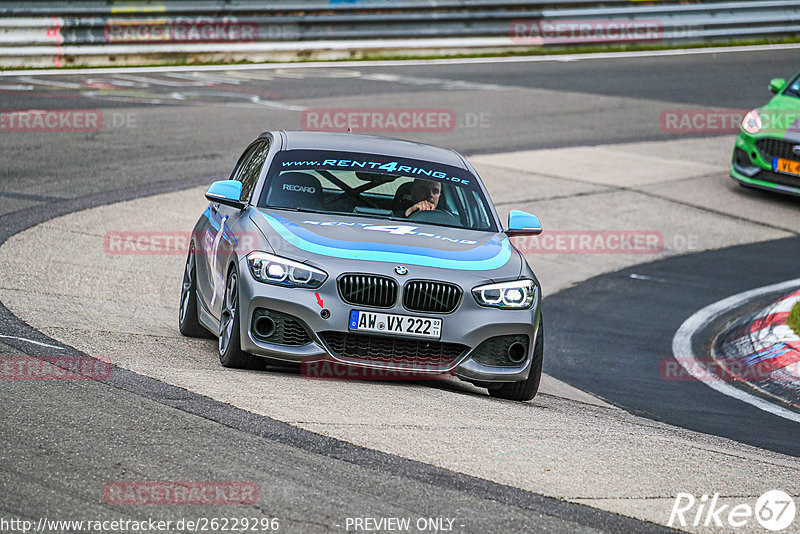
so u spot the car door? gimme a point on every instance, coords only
(229, 228)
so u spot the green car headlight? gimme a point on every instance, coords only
(519, 294)
(752, 122)
(283, 271)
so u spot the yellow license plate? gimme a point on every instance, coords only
(786, 165)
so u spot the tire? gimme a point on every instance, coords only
(230, 346)
(188, 324)
(525, 390)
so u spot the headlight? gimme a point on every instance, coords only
(517, 295)
(283, 271)
(752, 122)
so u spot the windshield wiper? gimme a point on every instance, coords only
(330, 212)
(306, 210)
(367, 215)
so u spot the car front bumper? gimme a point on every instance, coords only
(469, 325)
(752, 168)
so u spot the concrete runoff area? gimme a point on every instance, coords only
(565, 443)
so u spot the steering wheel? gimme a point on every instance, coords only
(435, 217)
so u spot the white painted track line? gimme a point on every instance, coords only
(26, 340)
(683, 352)
(412, 62)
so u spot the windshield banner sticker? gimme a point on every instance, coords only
(389, 167)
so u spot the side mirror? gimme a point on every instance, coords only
(226, 192)
(521, 223)
(776, 85)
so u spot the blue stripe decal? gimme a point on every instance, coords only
(488, 250)
(491, 255)
(228, 236)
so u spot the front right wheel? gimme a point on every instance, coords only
(188, 324)
(525, 390)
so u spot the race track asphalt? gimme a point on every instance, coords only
(138, 427)
(621, 325)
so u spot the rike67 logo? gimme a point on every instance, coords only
(774, 510)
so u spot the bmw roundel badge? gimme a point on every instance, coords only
(402, 271)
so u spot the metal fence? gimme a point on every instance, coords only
(48, 33)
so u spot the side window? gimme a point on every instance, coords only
(241, 165)
(252, 169)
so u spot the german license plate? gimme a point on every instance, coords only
(400, 325)
(786, 165)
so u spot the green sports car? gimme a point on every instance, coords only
(767, 151)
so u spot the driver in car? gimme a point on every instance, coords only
(424, 195)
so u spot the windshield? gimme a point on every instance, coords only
(793, 88)
(376, 186)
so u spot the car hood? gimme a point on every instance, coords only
(317, 237)
(783, 114)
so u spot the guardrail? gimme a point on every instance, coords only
(57, 33)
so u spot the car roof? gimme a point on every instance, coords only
(349, 142)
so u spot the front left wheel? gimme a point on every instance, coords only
(230, 346)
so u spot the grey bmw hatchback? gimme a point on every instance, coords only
(368, 252)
